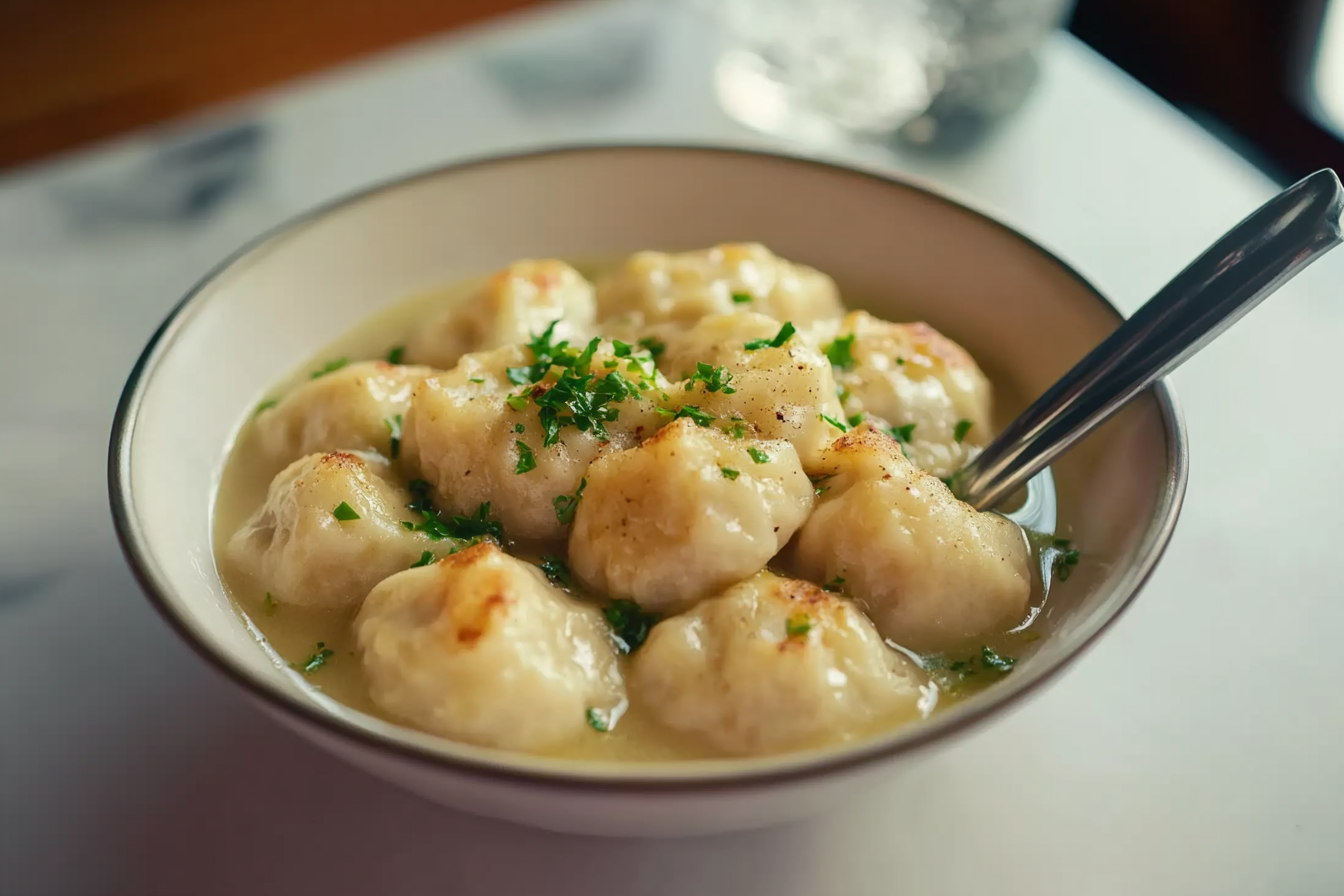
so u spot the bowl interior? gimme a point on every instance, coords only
(895, 250)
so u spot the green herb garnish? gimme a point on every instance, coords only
(855, 419)
(715, 378)
(344, 512)
(1065, 558)
(818, 480)
(741, 298)
(729, 473)
(959, 433)
(394, 429)
(266, 406)
(833, 585)
(654, 347)
(477, 379)
(329, 367)
(597, 721)
(785, 332)
(758, 455)
(996, 661)
(701, 418)
(316, 661)
(556, 570)
(797, 625)
(841, 352)
(834, 422)
(566, 505)
(269, 604)
(469, 529)
(526, 459)
(630, 625)
(902, 433)
(426, 558)
(738, 430)
(395, 354)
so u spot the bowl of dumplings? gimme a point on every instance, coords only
(604, 489)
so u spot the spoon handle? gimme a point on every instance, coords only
(1248, 263)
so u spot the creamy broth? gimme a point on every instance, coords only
(294, 632)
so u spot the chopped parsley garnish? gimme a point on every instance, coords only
(526, 459)
(963, 427)
(329, 367)
(269, 604)
(758, 455)
(841, 352)
(426, 558)
(266, 405)
(854, 419)
(517, 402)
(834, 585)
(630, 625)
(316, 661)
(344, 512)
(947, 481)
(902, 433)
(469, 529)
(729, 473)
(797, 625)
(621, 349)
(655, 347)
(741, 298)
(715, 378)
(1065, 559)
(701, 418)
(834, 422)
(477, 379)
(996, 661)
(395, 354)
(556, 571)
(565, 505)
(783, 336)
(738, 430)
(818, 480)
(900, 361)
(394, 428)
(518, 427)
(598, 721)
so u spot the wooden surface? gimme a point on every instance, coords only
(75, 71)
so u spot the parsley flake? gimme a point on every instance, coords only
(630, 625)
(902, 433)
(834, 422)
(963, 427)
(701, 418)
(344, 512)
(996, 661)
(758, 455)
(556, 570)
(783, 336)
(841, 352)
(729, 473)
(395, 354)
(855, 419)
(269, 604)
(566, 505)
(316, 661)
(518, 427)
(426, 558)
(526, 459)
(833, 585)
(394, 429)
(654, 347)
(265, 406)
(797, 625)
(517, 402)
(329, 367)
(598, 721)
(738, 430)
(715, 378)
(741, 298)
(818, 480)
(477, 379)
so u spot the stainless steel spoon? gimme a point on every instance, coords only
(1235, 274)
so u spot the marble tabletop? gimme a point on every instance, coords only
(1195, 750)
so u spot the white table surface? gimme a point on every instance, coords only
(1197, 750)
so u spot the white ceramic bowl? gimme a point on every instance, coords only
(898, 250)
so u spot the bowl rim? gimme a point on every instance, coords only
(503, 766)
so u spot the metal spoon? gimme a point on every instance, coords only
(1249, 262)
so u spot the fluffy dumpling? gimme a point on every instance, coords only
(685, 514)
(474, 442)
(781, 392)
(296, 547)
(354, 408)
(661, 287)
(512, 306)
(480, 648)
(919, 384)
(932, 572)
(772, 664)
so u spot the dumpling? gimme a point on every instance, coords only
(354, 408)
(783, 392)
(475, 442)
(687, 286)
(296, 548)
(685, 514)
(932, 572)
(513, 305)
(480, 648)
(772, 664)
(918, 383)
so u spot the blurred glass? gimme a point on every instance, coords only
(925, 72)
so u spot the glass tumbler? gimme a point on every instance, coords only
(925, 72)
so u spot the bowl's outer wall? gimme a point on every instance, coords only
(906, 253)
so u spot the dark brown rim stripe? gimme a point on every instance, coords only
(731, 775)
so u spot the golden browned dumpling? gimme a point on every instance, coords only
(475, 442)
(932, 572)
(329, 531)
(662, 287)
(917, 383)
(769, 665)
(479, 647)
(685, 514)
(783, 391)
(354, 408)
(515, 303)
